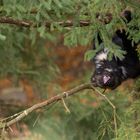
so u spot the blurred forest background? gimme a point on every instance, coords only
(45, 46)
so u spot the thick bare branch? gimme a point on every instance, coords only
(52, 100)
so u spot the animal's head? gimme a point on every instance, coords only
(108, 74)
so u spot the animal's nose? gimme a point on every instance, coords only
(106, 79)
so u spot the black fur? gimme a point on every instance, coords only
(110, 74)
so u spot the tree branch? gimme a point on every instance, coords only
(19, 116)
(8, 20)
(25, 23)
(105, 19)
(7, 122)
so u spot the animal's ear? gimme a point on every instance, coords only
(117, 40)
(127, 15)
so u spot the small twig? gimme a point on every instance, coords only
(10, 129)
(65, 106)
(36, 120)
(104, 97)
(104, 91)
(112, 105)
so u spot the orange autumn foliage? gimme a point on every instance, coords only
(71, 64)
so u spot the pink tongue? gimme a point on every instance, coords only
(105, 79)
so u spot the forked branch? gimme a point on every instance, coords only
(7, 122)
(19, 116)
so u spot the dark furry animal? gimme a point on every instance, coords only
(110, 74)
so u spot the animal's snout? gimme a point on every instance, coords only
(106, 79)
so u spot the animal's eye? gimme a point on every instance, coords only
(98, 72)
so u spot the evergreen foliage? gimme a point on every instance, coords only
(22, 54)
(19, 43)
